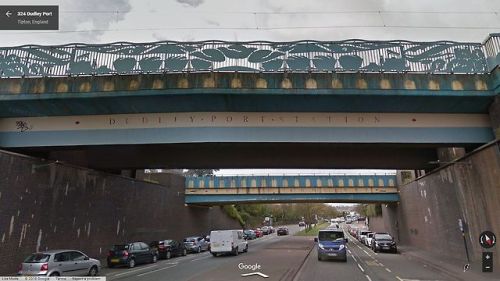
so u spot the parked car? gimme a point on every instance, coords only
(302, 224)
(227, 242)
(258, 232)
(59, 263)
(249, 234)
(369, 238)
(282, 231)
(167, 249)
(271, 230)
(266, 230)
(362, 234)
(383, 242)
(131, 254)
(196, 244)
(331, 245)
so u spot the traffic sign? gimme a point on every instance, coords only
(487, 239)
(487, 261)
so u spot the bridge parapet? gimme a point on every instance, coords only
(259, 56)
(311, 181)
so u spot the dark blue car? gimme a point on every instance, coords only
(331, 245)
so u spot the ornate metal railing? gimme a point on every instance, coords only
(300, 56)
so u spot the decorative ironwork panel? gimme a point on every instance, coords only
(301, 56)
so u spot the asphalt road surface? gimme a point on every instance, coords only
(281, 258)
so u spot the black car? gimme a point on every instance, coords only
(131, 254)
(282, 231)
(167, 249)
(383, 242)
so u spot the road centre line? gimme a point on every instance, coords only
(388, 270)
(149, 272)
(368, 277)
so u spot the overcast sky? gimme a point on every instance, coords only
(98, 21)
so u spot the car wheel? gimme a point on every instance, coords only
(320, 258)
(198, 250)
(54, 274)
(235, 251)
(154, 259)
(184, 252)
(168, 255)
(93, 271)
(131, 263)
(246, 249)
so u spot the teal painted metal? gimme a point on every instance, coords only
(290, 198)
(26, 137)
(299, 56)
(312, 181)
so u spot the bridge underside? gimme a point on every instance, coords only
(291, 198)
(245, 155)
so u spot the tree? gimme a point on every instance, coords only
(200, 172)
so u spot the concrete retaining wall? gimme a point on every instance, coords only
(427, 216)
(50, 206)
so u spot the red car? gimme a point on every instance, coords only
(258, 232)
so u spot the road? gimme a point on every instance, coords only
(281, 258)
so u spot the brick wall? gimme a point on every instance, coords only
(50, 206)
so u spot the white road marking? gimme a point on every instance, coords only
(362, 269)
(205, 257)
(135, 270)
(149, 272)
(367, 253)
(368, 277)
(399, 278)
(388, 270)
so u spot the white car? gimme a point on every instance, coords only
(368, 239)
(227, 242)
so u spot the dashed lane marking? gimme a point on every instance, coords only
(152, 271)
(197, 259)
(388, 270)
(360, 268)
(368, 277)
(135, 270)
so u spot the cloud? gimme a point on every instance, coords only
(95, 15)
(192, 3)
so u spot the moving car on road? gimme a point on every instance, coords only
(59, 263)
(283, 230)
(383, 242)
(331, 245)
(167, 249)
(266, 230)
(196, 244)
(227, 242)
(131, 254)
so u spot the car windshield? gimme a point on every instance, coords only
(120, 247)
(330, 235)
(34, 258)
(383, 237)
(364, 232)
(190, 239)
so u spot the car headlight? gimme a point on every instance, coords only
(341, 247)
(321, 246)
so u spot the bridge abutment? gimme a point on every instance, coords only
(429, 209)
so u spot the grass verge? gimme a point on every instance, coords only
(312, 231)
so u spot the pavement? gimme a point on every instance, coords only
(452, 268)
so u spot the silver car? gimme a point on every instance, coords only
(196, 244)
(59, 263)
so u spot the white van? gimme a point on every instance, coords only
(227, 242)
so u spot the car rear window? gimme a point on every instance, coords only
(383, 236)
(191, 239)
(35, 258)
(330, 235)
(120, 247)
